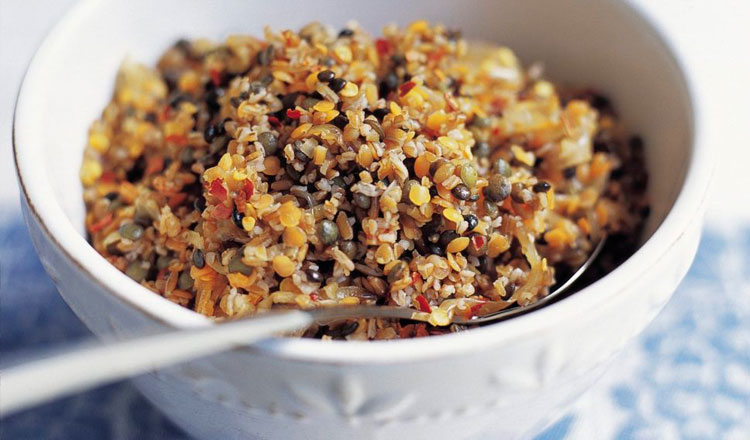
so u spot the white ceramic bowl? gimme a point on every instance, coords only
(503, 381)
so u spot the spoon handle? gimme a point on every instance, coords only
(45, 379)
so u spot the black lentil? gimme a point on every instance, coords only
(461, 192)
(137, 170)
(237, 218)
(199, 259)
(340, 121)
(472, 221)
(541, 187)
(337, 84)
(313, 275)
(380, 113)
(326, 76)
(446, 237)
(200, 203)
(346, 32)
(436, 249)
(388, 84)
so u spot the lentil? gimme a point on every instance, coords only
(131, 231)
(472, 221)
(328, 232)
(461, 192)
(337, 84)
(199, 260)
(498, 188)
(269, 141)
(236, 265)
(326, 76)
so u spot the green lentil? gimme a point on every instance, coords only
(328, 232)
(469, 175)
(498, 188)
(185, 281)
(503, 167)
(163, 261)
(236, 265)
(269, 141)
(362, 200)
(349, 248)
(137, 270)
(131, 231)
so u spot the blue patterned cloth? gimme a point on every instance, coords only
(687, 376)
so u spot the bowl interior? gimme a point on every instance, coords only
(601, 44)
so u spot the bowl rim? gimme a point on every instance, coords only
(61, 233)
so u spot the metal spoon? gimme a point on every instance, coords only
(46, 378)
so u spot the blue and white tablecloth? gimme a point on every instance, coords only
(687, 376)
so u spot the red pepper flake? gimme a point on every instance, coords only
(162, 274)
(107, 177)
(215, 77)
(217, 190)
(154, 164)
(424, 305)
(474, 310)
(165, 113)
(222, 212)
(404, 88)
(314, 296)
(478, 241)
(293, 114)
(383, 46)
(249, 188)
(416, 278)
(273, 120)
(102, 223)
(179, 139)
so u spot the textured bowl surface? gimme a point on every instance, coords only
(508, 379)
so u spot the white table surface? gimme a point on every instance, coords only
(687, 376)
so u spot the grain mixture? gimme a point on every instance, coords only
(321, 168)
